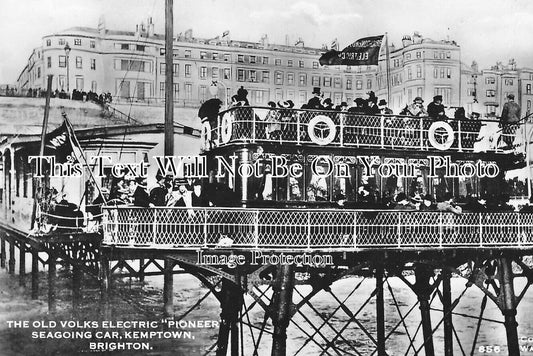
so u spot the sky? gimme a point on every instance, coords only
(487, 30)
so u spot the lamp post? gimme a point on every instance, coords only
(474, 77)
(213, 90)
(67, 52)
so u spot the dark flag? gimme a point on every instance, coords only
(58, 144)
(364, 51)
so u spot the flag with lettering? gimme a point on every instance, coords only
(364, 51)
(58, 144)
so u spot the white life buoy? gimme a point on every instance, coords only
(226, 128)
(321, 120)
(205, 134)
(433, 133)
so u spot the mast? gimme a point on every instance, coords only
(169, 75)
(387, 55)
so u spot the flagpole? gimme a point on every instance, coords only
(387, 60)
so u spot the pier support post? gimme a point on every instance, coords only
(52, 281)
(380, 311)
(34, 273)
(423, 290)
(447, 310)
(229, 318)
(508, 305)
(22, 263)
(105, 276)
(281, 308)
(141, 269)
(2, 251)
(11, 263)
(168, 287)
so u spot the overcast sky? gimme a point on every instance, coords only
(487, 30)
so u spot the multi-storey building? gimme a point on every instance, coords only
(131, 66)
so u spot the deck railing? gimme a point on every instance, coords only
(344, 129)
(300, 229)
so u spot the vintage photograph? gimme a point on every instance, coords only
(232, 177)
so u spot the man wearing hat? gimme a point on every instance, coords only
(158, 194)
(383, 109)
(436, 109)
(510, 119)
(140, 196)
(316, 101)
(416, 108)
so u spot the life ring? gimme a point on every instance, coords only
(205, 134)
(322, 141)
(432, 131)
(226, 128)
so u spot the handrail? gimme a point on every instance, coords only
(303, 229)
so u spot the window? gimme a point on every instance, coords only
(203, 93)
(436, 55)
(93, 64)
(419, 92)
(491, 93)
(442, 72)
(289, 63)
(187, 54)
(315, 65)
(38, 72)
(302, 80)
(337, 82)
(253, 76)
(435, 72)
(290, 78)
(278, 78)
(187, 70)
(252, 59)
(49, 62)
(369, 83)
(408, 56)
(448, 55)
(508, 81)
(215, 56)
(409, 73)
(48, 43)
(528, 88)
(227, 57)
(203, 55)
(490, 80)
(214, 73)
(203, 72)
(278, 62)
(448, 73)
(140, 48)
(259, 96)
(240, 75)
(79, 83)
(175, 69)
(62, 61)
(418, 71)
(78, 62)
(265, 60)
(265, 77)
(93, 86)
(162, 68)
(227, 73)
(162, 89)
(77, 42)
(240, 58)
(418, 54)
(358, 84)
(61, 42)
(315, 81)
(92, 44)
(301, 64)
(188, 91)
(348, 84)
(327, 81)
(176, 87)
(125, 46)
(529, 105)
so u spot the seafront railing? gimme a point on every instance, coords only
(345, 129)
(300, 229)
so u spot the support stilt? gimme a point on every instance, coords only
(2, 251)
(380, 311)
(141, 270)
(281, 308)
(76, 289)
(34, 273)
(168, 287)
(11, 263)
(229, 319)
(423, 291)
(508, 307)
(22, 263)
(52, 281)
(105, 277)
(447, 310)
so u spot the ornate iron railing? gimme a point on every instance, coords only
(294, 229)
(345, 129)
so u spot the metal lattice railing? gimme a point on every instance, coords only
(311, 229)
(345, 129)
